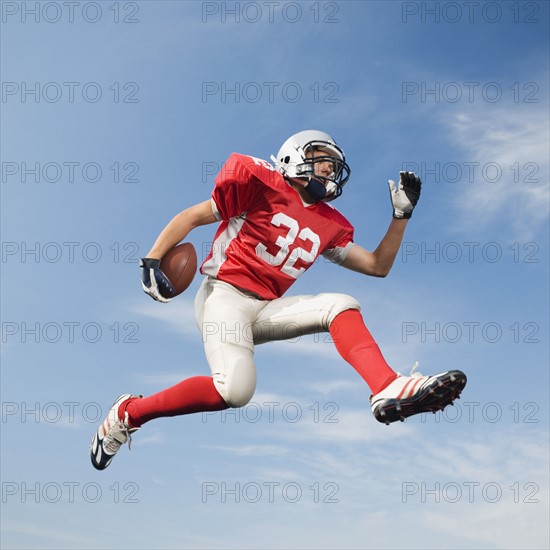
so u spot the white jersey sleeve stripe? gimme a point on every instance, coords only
(215, 210)
(338, 254)
(220, 246)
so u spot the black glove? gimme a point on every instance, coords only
(154, 281)
(405, 197)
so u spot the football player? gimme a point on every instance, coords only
(274, 221)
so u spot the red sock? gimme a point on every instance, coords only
(356, 345)
(196, 394)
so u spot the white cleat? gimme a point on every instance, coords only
(414, 394)
(111, 435)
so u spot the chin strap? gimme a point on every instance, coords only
(316, 189)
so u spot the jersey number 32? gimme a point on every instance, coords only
(285, 242)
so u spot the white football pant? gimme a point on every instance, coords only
(232, 321)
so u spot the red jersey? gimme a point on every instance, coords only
(268, 236)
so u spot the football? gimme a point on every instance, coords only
(180, 266)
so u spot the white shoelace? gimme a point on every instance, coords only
(414, 367)
(413, 373)
(119, 433)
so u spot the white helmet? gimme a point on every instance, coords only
(292, 162)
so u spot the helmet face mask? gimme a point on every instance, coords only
(300, 155)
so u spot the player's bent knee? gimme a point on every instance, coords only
(340, 303)
(239, 401)
(235, 391)
(236, 397)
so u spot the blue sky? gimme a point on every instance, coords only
(127, 124)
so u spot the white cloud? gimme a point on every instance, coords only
(336, 425)
(251, 450)
(178, 315)
(153, 438)
(374, 476)
(164, 379)
(48, 536)
(335, 386)
(510, 145)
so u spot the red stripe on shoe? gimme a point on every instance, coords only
(410, 388)
(415, 386)
(405, 387)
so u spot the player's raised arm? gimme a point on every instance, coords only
(379, 262)
(404, 197)
(152, 278)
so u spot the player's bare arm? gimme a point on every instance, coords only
(379, 262)
(180, 226)
(154, 282)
